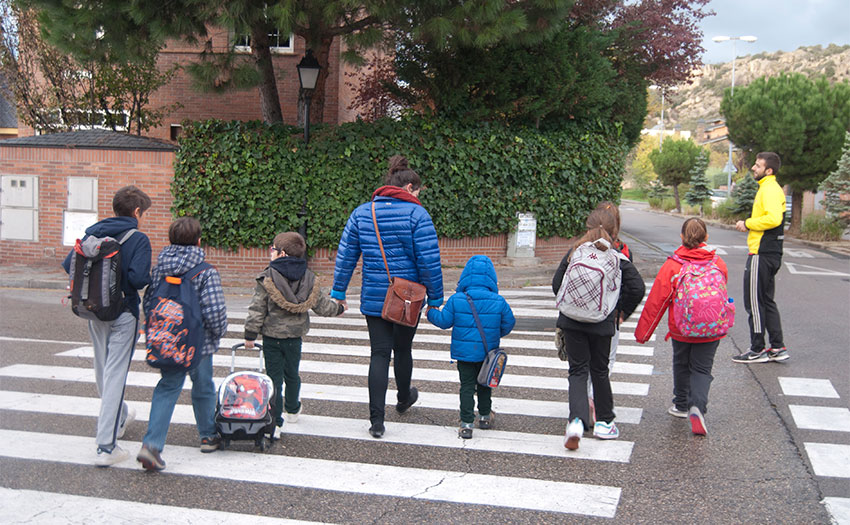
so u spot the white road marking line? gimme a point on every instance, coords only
(48, 508)
(795, 268)
(807, 387)
(349, 394)
(446, 339)
(530, 361)
(821, 418)
(419, 374)
(839, 509)
(49, 341)
(357, 478)
(829, 459)
(344, 428)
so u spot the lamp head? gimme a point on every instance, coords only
(721, 38)
(308, 70)
(749, 38)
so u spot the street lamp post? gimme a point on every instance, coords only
(730, 167)
(308, 75)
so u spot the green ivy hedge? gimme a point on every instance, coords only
(246, 181)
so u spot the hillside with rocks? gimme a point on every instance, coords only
(701, 99)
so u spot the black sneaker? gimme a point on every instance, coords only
(465, 430)
(210, 444)
(486, 422)
(777, 354)
(402, 407)
(150, 459)
(377, 430)
(752, 357)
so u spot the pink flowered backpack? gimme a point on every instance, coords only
(701, 305)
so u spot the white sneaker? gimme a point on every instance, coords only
(575, 429)
(131, 416)
(105, 459)
(603, 430)
(292, 418)
(276, 435)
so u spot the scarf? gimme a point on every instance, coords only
(396, 193)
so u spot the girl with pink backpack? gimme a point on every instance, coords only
(692, 285)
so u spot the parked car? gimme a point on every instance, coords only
(718, 196)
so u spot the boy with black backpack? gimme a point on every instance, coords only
(114, 329)
(179, 262)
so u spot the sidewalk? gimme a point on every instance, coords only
(242, 283)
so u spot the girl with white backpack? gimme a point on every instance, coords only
(595, 287)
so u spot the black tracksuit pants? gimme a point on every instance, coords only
(762, 312)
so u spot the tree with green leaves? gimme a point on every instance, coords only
(744, 194)
(836, 187)
(674, 162)
(700, 187)
(803, 120)
(57, 92)
(123, 25)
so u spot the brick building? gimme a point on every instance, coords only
(54, 186)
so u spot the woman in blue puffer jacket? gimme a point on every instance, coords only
(478, 281)
(410, 244)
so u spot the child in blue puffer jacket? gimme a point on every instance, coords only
(478, 281)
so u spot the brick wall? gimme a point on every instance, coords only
(152, 171)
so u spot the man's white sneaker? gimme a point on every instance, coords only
(131, 416)
(575, 429)
(276, 435)
(105, 459)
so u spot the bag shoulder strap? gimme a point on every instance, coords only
(127, 235)
(197, 269)
(477, 321)
(380, 244)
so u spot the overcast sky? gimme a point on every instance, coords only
(779, 25)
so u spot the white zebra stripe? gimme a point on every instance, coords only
(419, 374)
(49, 508)
(344, 428)
(357, 478)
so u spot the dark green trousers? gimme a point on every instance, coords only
(468, 386)
(283, 356)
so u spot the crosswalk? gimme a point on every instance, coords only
(829, 460)
(334, 368)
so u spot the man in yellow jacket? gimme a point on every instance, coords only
(765, 228)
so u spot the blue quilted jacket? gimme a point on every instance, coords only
(478, 280)
(410, 243)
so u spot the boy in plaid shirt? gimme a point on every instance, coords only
(182, 255)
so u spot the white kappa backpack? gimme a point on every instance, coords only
(591, 286)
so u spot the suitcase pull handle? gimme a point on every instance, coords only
(261, 364)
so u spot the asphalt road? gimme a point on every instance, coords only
(754, 466)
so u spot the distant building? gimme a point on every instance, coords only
(711, 130)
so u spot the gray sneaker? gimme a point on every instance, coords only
(752, 357)
(465, 430)
(105, 459)
(777, 354)
(675, 412)
(150, 459)
(210, 444)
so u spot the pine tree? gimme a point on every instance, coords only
(744, 194)
(700, 187)
(837, 185)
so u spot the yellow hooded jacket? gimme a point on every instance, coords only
(766, 224)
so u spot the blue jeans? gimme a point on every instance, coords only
(165, 396)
